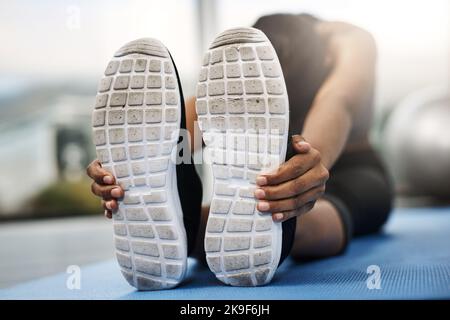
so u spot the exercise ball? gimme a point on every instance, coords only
(417, 143)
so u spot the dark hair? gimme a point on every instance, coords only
(302, 56)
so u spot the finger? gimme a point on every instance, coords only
(277, 206)
(294, 167)
(110, 205)
(291, 203)
(291, 188)
(117, 192)
(108, 214)
(106, 192)
(100, 175)
(283, 216)
(299, 144)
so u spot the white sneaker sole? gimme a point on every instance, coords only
(242, 109)
(136, 125)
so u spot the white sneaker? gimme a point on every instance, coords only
(136, 125)
(243, 112)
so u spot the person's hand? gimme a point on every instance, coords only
(104, 186)
(295, 186)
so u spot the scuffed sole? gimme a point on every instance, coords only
(242, 109)
(136, 124)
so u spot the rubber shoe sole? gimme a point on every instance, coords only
(243, 112)
(136, 124)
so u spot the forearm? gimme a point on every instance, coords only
(192, 125)
(347, 92)
(327, 127)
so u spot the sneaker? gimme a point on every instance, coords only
(136, 121)
(242, 109)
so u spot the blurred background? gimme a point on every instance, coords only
(54, 52)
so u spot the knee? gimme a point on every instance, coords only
(380, 205)
(371, 200)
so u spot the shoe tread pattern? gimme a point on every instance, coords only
(136, 123)
(242, 110)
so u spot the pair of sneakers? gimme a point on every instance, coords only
(242, 109)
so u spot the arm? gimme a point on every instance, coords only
(295, 186)
(192, 124)
(347, 92)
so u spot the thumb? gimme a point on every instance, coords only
(299, 144)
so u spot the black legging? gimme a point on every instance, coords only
(360, 189)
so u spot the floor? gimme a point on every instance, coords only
(410, 259)
(30, 250)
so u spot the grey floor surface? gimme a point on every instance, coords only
(32, 249)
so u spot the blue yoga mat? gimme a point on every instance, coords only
(412, 254)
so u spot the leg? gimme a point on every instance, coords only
(357, 202)
(198, 251)
(190, 193)
(363, 187)
(320, 232)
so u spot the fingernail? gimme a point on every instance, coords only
(108, 205)
(261, 181)
(302, 143)
(263, 206)
(260, 194)
(278, 216)
(116, 193)
(107, 179)
(114, 205)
